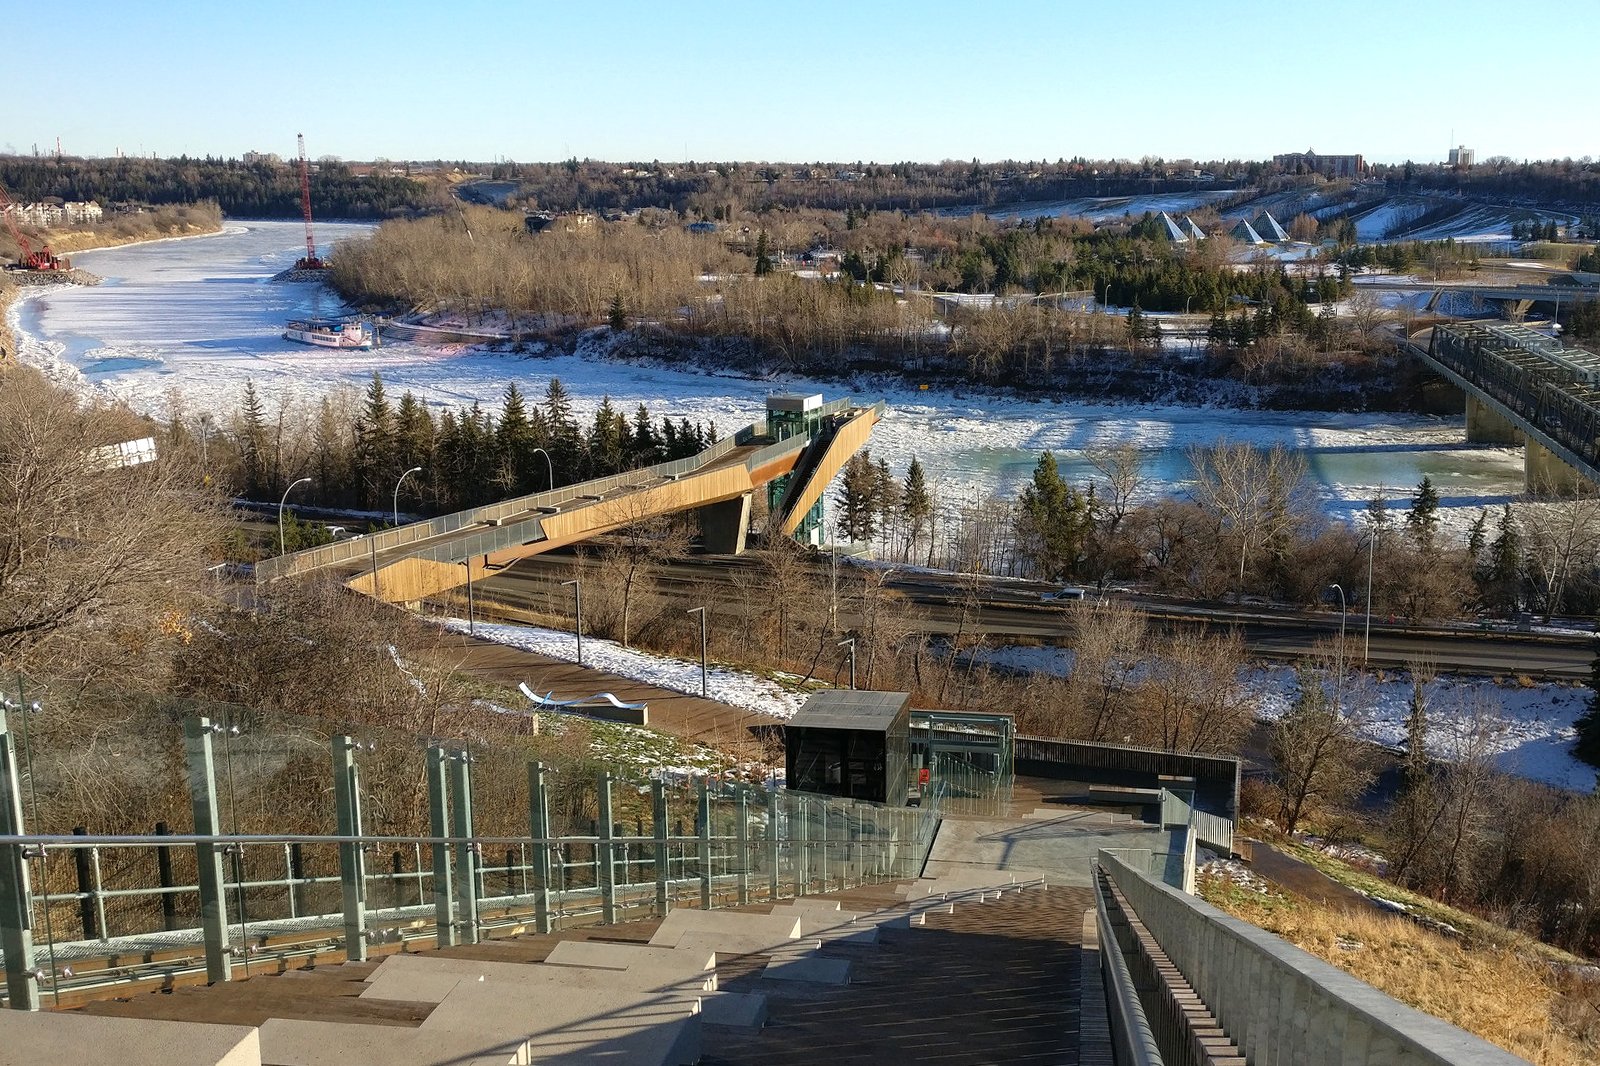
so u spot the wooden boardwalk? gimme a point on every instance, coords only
(996, 982)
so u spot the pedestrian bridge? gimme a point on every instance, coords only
(794, 453)
(1524, 388)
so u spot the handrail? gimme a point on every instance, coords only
(1134, 1040)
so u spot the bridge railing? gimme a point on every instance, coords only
(1554, 405)
(1274, 1001)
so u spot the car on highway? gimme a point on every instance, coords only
(1065, 594)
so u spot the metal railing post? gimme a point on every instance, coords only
(774, 845)
(86, 893)
(444, 890)
(197, 734)
(169, 905)
(658, 820)
(467, 853)
(16, 898)
(802, 850)
(741, 833)
(703, 816)
(827, 807)
(352, 860)
(539, 825)
(605, 854)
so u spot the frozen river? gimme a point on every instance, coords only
(190, 321)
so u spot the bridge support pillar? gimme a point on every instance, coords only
(1485, 425)
(1545, 474)
(723, 525)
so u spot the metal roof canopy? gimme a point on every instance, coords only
(843, 708)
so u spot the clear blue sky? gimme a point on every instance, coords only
(819, 80)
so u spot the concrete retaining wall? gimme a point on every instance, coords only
(1282, 1005)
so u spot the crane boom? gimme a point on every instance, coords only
(310, 262)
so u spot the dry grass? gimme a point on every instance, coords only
(1527, 1007)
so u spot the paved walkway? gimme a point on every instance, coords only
(1306, 880)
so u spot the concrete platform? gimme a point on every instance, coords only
(771, 928)
(51, 1038)
(432, 979)
(293, 1042)
(753, 944)
(598, 955)
(595, 1025)
(813, 969)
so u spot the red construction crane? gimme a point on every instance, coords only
(310, 261)
(44, 258)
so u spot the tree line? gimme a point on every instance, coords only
(249, 190)
(356, 448)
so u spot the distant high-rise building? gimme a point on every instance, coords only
(1462, 157)
(1332, 166)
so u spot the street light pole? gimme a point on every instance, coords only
(1372, 544)
(851, 641)
(397, 484)
(577, 606)
(549, 467)
(701, 611)
(1338, 683)
(281, 549)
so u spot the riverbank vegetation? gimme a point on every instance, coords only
(1259, 327)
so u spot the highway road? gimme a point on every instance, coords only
(1012, 608)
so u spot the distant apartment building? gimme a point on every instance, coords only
(262, 157)
(1462, 157)
(1332, 166)
(70, 213)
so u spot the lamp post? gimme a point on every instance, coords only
(577, 610)
(281, 549)
(1366, 644)
(851, 641)
(701, 611)
(549, 467)
(1338, 683)
(397, 484)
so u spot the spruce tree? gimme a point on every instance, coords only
(1423, 518)
(1053, 521)
(1587, 746)
(917, 507)
(763, 260)
(618, 314)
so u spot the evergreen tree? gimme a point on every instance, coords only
(763, 260)
(1587, 746)
(917, 507)
(564, 440)
(374, 451)
(646, 449)
(605, 444)
(1423, 519)
(618, 314)
(252, 444)
(518, 468)
(413, 434)
(1505, 560)
(1477, 537)
(1053, 522)
(858, 511)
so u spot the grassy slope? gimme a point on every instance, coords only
(1509, 989)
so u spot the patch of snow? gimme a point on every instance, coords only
(725, 685)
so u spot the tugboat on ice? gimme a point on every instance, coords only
(329, 333)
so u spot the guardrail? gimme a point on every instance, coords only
(1278, 1003)
(243, 899)
(1208, 829)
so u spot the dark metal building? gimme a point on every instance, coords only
(849, 743)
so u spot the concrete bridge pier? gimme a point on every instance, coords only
(1545, 474)
(723, 525)
(1485, 425)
